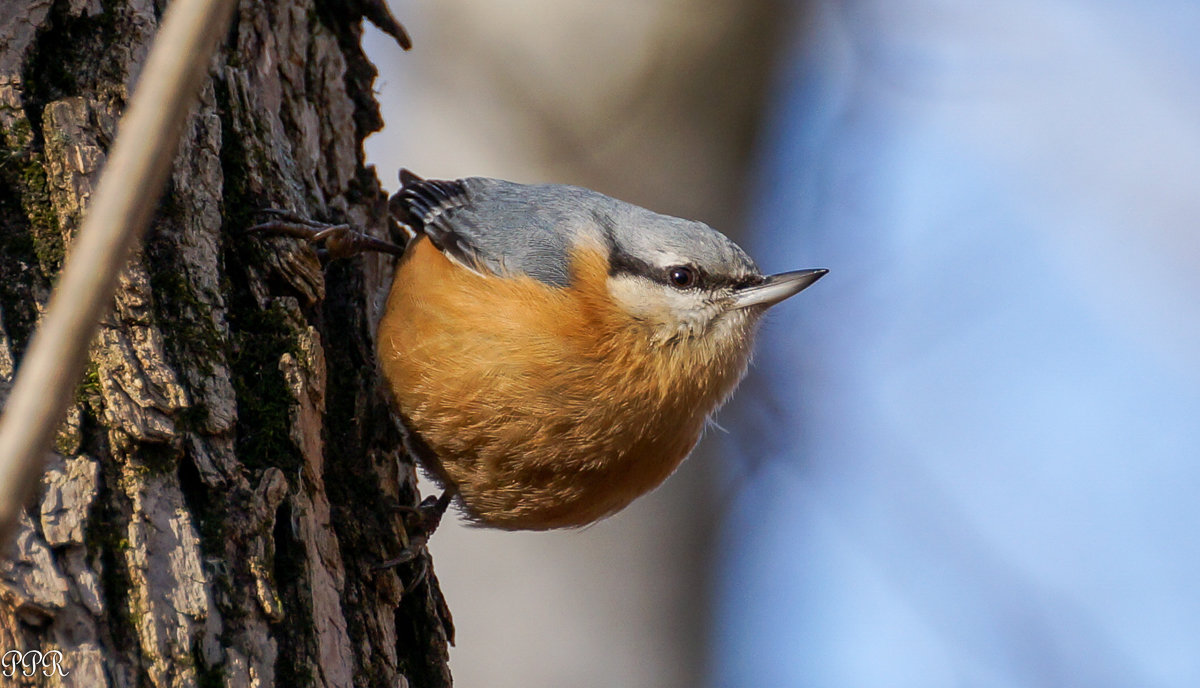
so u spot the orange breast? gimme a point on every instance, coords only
(545, 406)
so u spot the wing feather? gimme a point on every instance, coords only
(493, 227)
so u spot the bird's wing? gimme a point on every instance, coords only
(430, 207)
(497, 227)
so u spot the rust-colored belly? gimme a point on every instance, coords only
(537, 414)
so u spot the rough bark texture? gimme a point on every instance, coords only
(220, 493)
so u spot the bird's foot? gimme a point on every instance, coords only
(419, 523)
(338, 241)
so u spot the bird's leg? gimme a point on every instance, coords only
(419, 523)
(339, 241)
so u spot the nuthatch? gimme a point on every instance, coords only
(555, 353)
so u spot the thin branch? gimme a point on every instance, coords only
(129, 189)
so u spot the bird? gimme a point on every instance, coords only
(553, 353)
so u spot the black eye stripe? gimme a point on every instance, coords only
(621, 263)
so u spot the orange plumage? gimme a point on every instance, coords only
(545, 406)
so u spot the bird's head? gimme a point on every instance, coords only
(690, 285)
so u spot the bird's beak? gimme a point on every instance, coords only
(776, 288)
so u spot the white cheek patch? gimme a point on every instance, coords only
(671, 311)
(638, 297)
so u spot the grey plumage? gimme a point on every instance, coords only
(506, 228)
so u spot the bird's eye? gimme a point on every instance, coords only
(682, 276)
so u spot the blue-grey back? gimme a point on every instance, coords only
(508, 228)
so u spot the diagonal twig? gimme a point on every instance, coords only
(129, 189)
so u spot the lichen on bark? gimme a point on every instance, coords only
(218, 498)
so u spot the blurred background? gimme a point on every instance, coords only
(970, 456)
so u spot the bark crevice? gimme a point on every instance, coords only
(221, 492)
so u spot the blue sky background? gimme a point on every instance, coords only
(972, 456)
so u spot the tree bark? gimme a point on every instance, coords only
(224, 484)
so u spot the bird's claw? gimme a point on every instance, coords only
(339, 241)
(419, 523)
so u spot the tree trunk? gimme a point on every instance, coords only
(223, 486)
